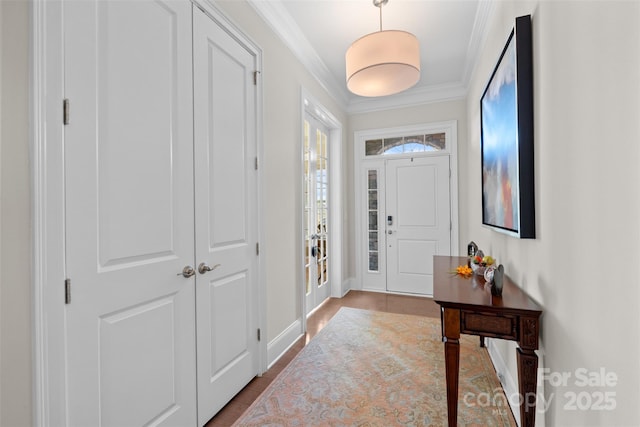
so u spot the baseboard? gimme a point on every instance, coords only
(509, 385)
(283, 342)
(348, 284)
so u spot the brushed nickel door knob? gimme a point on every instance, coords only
(188, 271)
(203, 268)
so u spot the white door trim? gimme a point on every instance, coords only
(309, 104)
(48, 213)
(47, 174)
(360, 161)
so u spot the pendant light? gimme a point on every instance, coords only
(383, 63)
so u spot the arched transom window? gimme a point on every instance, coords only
(405, 144)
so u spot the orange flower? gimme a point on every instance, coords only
(464, 271)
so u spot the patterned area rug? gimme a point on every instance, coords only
(367, 368)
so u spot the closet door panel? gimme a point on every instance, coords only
(226, 214)
(129, 213)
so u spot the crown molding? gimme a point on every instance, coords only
(477, 39)
(283, 25)
(413, 97)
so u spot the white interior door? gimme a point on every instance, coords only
(130, 324)
(316, 209)
(226, 215)
(418, 221)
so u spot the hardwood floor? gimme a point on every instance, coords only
(356, 299)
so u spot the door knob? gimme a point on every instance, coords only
(203, 268)
(188, 271)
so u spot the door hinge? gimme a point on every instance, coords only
(65, 111)
(67, 291)
(257, 248)
(255, 77)
(259, 334)
(256, 163)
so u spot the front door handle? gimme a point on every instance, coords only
(203, 268)
(188, 271)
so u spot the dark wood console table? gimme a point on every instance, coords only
(468, 308)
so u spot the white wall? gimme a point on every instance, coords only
(283, 76)
(582, 267)
(15, 218)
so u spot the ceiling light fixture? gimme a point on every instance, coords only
(383, 63)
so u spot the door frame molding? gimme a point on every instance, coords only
(360, 161)
(47, 159)
(309, 104)
(48, 211)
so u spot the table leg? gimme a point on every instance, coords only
(452, 366)
(527, 383)
(451, 327)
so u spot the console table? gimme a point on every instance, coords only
(468, 308)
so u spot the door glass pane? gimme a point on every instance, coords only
(373, 261)
(324, 270)
(372, 190)
(307, 281)
(373, 199)
(373, 180)
(373, 220)
(392, 145)
(322, 186)
(435, 141)
(319, 262)
(373, 241)
(373, 147)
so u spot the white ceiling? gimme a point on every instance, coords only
(320, 31)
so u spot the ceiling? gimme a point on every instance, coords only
(320, 31)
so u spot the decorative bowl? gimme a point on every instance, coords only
(477, 269)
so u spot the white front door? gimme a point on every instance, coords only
(316, 209)
(130, 324)
(226, 215)
(418, 221)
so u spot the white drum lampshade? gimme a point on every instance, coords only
(383, 63)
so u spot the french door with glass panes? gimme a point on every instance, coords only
(316, 189)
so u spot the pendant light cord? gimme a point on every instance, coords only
(379, 4)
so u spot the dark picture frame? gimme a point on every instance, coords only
(506, 117)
